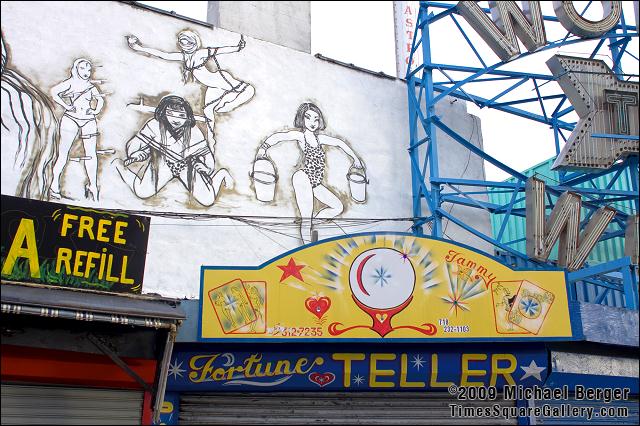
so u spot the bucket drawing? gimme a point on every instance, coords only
(357, 184)
(264, 179)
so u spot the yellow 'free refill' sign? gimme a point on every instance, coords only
(383, 286)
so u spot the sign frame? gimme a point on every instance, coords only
(573, 311)
(239, 368)
(68, 246)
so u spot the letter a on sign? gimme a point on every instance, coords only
(23, 245)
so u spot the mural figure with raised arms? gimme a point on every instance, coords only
(308, 182)
(29, 123)
(224, 92)
(82, 102)
(171, 146)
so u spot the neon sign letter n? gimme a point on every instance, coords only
(563, 224)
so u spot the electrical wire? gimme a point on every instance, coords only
(284, 226)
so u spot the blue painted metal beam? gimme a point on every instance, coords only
(464, 34)
(471, 182)
(424, 91)
(505, 91)
(478, 80)
(427, 76)
(614, 136)
(488, 71)
(483, 236)
(603, 268)
(581, 177)
(515, 111)
(508, 211)
(474, 149)
(438, 16)
(464, 201)
(528, 100)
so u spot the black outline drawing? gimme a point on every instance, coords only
(28, 117)
(170, 145)
(224, 92)
(308, 180)
(76, 95)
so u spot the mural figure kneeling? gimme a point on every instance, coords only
(224, 92)
(173, 147)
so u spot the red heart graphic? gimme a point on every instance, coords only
(322, 379)
(318, 306)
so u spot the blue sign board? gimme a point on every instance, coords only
(170, 409)
(356, 368)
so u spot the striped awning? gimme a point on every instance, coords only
(123, 309)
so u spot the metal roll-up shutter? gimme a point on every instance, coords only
(574, 412)
(373, 408)
(26, 404)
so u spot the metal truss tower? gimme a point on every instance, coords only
(476, 77)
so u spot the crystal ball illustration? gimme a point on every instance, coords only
(382, 278)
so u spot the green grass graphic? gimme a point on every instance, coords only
(49, 276)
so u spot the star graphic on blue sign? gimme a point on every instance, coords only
(358, 379)
(605, 105)
(175, 369)
(533, 371)
(418, 362)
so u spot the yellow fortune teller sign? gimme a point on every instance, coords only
(383, 286)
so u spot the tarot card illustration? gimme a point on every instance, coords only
(530, 307)
(232, 305)
(503, 295)
(257, 292)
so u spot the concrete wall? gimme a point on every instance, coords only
(455, 161)
(286, 23)
(368, 113)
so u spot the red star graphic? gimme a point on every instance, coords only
(291, 270)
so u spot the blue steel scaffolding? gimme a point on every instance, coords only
(431, 81)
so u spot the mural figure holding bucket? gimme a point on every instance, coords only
(308, 181)
(224, 92)
(175, 149)
(28, 121)
(82, 102)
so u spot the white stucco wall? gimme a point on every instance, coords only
(368, 112)
(287, 23)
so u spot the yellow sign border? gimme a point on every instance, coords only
(383, 287)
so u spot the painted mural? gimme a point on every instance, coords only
(171, 146)
(383, 286)
(29, 134)
(308, 181)
(224, 92)
(240, 91)
(82, 102)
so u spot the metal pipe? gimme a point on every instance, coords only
(164, 369)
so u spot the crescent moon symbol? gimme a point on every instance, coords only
(230, 359)
(359, 273)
